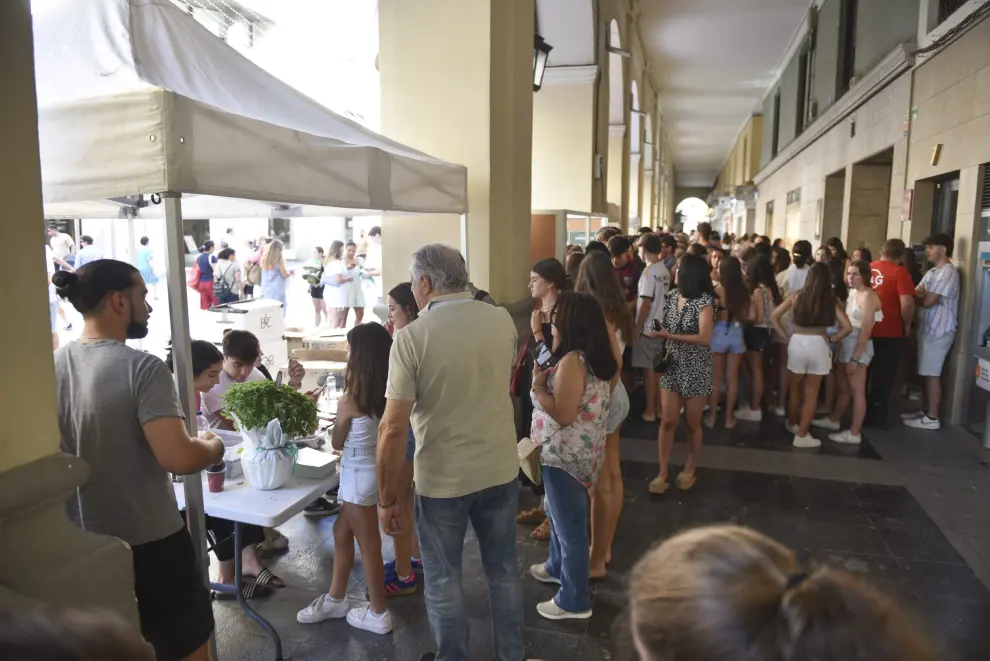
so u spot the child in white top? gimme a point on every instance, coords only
(356, 434)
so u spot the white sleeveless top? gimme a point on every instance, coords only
(363, 433)
(855, 312)
(622, 342)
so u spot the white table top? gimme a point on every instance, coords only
(240, 502)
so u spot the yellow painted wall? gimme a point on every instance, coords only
(456, 82)
(563, 144)
(27, 407)
(743, 160)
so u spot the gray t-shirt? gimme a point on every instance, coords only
(106, 391)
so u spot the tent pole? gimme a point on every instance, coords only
(464, 240)
(175, 260)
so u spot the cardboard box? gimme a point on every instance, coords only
(294, 339)
(333, 355)
(315, 369)
(261, 316)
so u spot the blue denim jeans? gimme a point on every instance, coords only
(567, 509)
(441, 524)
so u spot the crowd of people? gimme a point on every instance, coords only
(433, 407)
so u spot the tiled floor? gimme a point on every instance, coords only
(909, 511)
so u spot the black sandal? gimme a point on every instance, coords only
(249, 590)
(266, 578)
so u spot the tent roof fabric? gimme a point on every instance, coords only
(137, 97)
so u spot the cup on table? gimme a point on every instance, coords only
(215, 476)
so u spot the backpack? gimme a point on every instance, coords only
(221, 288)
(253, 274)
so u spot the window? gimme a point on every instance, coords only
(775, 140)
(947, 8)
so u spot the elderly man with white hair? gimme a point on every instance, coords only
(449, 376)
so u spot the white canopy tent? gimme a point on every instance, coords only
(137, 100)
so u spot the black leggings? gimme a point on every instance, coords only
(220, 533)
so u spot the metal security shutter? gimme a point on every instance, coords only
(985, 202)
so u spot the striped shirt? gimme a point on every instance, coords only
(941, 318)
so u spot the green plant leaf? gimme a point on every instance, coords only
(258, 402)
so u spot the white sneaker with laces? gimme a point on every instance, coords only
(846, 436)
(923, 422)
(323, 608)
(826, 423)
(364, 618)
(540, 573)
(747, 414)
(778, 411)
(806, 441)
(911, 414)
(551, 611)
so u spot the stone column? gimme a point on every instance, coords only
(43, 557)
(457, 83)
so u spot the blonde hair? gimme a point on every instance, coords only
(726, 592)
(271, 255)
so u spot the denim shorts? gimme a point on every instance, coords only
(727, 337)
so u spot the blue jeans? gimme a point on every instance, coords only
(442, 524)
(569, 562)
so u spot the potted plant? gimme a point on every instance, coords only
(270, 418)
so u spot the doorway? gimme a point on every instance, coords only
(768, 221)
(835, 194)
(945, 204)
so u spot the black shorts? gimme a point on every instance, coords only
(316, 292)
(173, 602)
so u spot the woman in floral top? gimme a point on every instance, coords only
(571, 403)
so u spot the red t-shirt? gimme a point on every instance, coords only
(891, 281)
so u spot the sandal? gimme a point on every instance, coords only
(659, 486)
(535, 515)
(542, 532)
(266, 578)
(249, 590)
(685, 481)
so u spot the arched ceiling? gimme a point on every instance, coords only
(568, 26)
(713, 60)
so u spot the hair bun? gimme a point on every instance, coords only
(65, 282)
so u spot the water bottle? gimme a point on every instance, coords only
(202, 426)
(330, 392)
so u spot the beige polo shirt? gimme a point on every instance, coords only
(455, 363)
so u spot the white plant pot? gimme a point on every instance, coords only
(266, 470)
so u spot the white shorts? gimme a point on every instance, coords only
(847, 347)
(358, 478)
(932, 353)
(618, 408)
(809, 354)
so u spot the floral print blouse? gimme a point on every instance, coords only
(579, 447)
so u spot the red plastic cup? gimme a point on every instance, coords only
(214, 480)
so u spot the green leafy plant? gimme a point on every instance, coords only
(255, 403)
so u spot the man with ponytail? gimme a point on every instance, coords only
(119, 411)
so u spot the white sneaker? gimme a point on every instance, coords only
(826, 423)
(323, 608)
(778, 411)
(923, 422)
(807, 441)
(364, 618)
(791, 428)
(846, 436)
(911, 414)
(747, 414)
(914, 395)
(540, 573)
(551, 611)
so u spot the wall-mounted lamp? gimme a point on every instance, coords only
(541, 51)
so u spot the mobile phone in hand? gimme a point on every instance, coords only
(656, 326)
(543, 357)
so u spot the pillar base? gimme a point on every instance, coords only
(45, 558)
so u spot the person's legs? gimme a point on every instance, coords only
(857, 384)
(606, 506)
(343, 553)
(364, 523)
(755, 361)
(844, 394)
(693, 407)
(493, 519)
(668, 424)
(733, 361)
(783, 376)
(316, 309)
(812, 382)
(567, 501)
(650, 393)
(404, 551)
(794, 387)
(933, 396)
(358, 316)
(882, 373)
(442, 524)
(718, 372)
